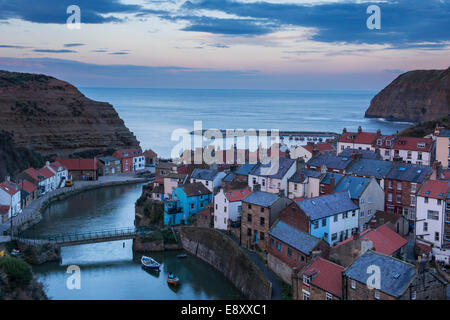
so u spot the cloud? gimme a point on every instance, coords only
(12, 46)
(70, 45)
(53, 50)
(119, 53)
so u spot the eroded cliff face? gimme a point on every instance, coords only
(53, 118)
(416, 96)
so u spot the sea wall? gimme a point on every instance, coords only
(223, 254)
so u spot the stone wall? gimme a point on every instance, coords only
(280, 268)
(223, 254)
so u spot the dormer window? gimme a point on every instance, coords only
(421, 145)
(306, 280)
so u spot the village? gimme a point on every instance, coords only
(332, 211)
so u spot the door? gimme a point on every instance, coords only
(113, 170)
(256, 236)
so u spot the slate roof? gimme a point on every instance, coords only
(364, 154)
(396, 275)
(260, 198)
(195, 189)
(356, 186)
(328, 205)
(332, 162)
(326, 275)
(245, 169)
(229, 177)
(293, 237)
(370, 168)
(204, 174)
(284, 165)
(307, 173)
(409, 172)
(327, 178)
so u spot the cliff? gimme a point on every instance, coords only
(416, 96)
(52, 118)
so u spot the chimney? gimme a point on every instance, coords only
(302, 176)
(310, 143)
(378, 133)
(332, 181)
(344, 130)
(359, 129)
(355, 155)
(373, 223)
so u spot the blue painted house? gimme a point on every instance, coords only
(332, 217)
(186, 201)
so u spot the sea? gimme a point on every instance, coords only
(155, 116)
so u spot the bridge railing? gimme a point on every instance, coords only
(89, 235)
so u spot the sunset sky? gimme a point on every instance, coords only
(269, 44)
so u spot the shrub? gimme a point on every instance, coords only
(18, 271)
(168, 236)
(286, 291)
(141, 200)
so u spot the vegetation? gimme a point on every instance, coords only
(169, 237)
(18, 271)
(140, 202)
(286, 291)
(153, 236)
(422, 129)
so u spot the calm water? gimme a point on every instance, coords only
(111, 270)
(153, 114)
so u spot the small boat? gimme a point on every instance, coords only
(181, 255)
(150, 263)
(290, 138)
(172, 279)
(302, 139)
(296, 138)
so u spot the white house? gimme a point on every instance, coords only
(61, 173)
(357, 140)
(433, 217)
(304, 184)
(228, 206)
(48, 179)
(138, 162)
(272, 177)
(10, 196)
(211, 179)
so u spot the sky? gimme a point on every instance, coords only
(238, 44)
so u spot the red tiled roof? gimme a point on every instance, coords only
(46, 173)
(159, 179)
(120, 153)
(150, 153)
(435, 189)
(10, 187)
(361, 137)
(384, 240)
(33, 173)
(384, 140)
(28, 186)
(237, 195)
(320, 147)
(328, 276)
(183, 169)
(79, 164)
(409, 143)
(4, 210)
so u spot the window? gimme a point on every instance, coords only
(376, 294)
(361, 201)
(305, 295)
(271, 242)
(192, 206)
(224, 209)
(295, 186)
(336, 218)
(262, 221)
(324, 222)
(353, 213)
(300, 258)
(306, 280)
(345, 215)
(413, 200)
(353, 284)
(439, 202)
(225, 220)
(425, 226)
(217, 207)
(249, 232)
(386, 152)
(426, 200)
(279, 246)
(207, 182)
(325, 236)
(322, 189)
(399, 186)
(390, 197)
(328, 296)
(249, 218)
(254, 181)
(262, 210)
(261, 236)
(263, 182)
(399, 198)
(433, 215)
(249, 206)
(334, 236)
(316, 224)
(413, 187)
(390, 184)
(436, 236)
(289, 252)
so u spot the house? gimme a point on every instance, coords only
(413, 150)
(164, 168)
(29, 192)
(10, 196)
(381, 239)
(290, 249)
(304, 184)
(228, 207)
(243, 171)
(384, 145)
(333, 217)
(400, 187)
(61, 173)
(109, 166)
(396, 222)
(433, 217)
(259, 212)
(398, 280)
(131, 160)
(327, 183)
(211, 179)
(186, 201)
(81, 169)
(308, 151)
(360, 154)
(357, 140)
(173, 181)
(48, 179)
(33, 176)
(150, 157)
(368, 168)
(443, 148)
(273, 176)
(319, 280)
(205, 217)
(4, 213)
(329, 163)
(157, 192)
(367, 193)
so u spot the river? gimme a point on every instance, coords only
(111, 270)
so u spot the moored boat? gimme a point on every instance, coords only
(172, 279)
(150, 263)
(181, 255)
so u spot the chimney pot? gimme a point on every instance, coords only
(359, 129)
